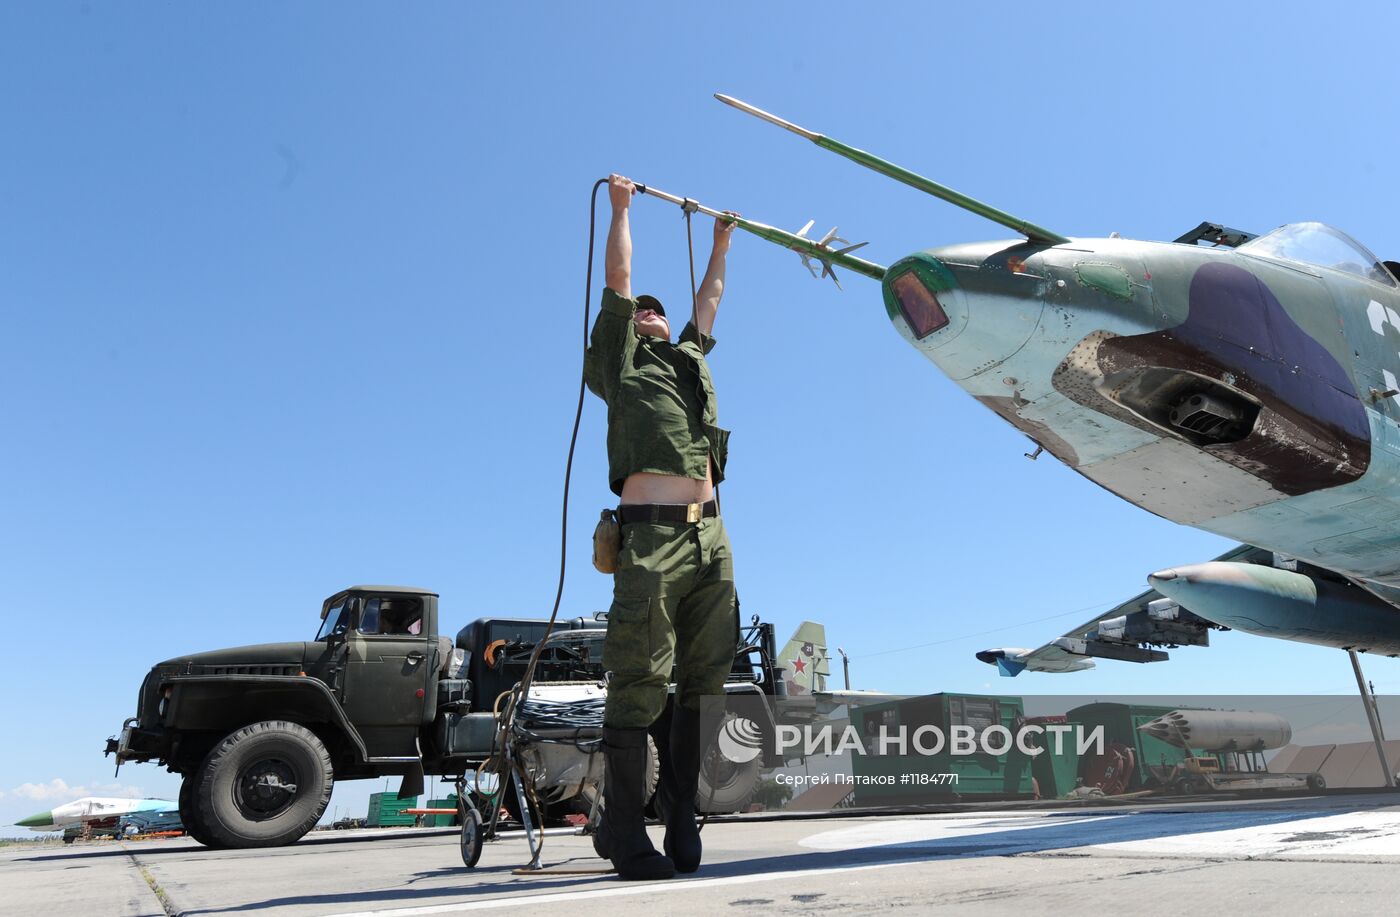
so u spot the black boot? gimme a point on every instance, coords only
(622, 836)
(682, 781)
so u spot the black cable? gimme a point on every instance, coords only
(539, 713)
(507, 718)
(524, 685)
(522, 688)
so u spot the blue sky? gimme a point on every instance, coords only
(290, 298)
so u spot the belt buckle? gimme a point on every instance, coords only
(692, 512)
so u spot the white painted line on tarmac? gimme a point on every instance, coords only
(1276, 835)
(1353, 834)
(928, 833)
(620, 890)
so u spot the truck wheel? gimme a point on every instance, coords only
(1315, 782)
(726, 786)
(189, 815)
(263, 786)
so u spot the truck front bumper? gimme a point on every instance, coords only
(136, 744)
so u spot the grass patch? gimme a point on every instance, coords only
(30, 841)
(159, 892)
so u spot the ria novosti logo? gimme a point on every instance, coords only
(740, 740)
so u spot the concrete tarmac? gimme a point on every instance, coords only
(1296, 856)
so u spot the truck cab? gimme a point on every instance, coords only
(260, 733)
(382, 659)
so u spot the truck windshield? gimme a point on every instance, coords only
(1320, 244)
(337, 621)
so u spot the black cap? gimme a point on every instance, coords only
(647, 301)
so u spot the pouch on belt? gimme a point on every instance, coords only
(607, 542)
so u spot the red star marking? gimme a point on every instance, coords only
(799, 666)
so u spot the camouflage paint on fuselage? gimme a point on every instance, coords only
(1086, 347)
(1311, 430)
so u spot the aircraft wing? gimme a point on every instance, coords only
(1128, 631)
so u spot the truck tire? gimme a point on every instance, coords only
(1315, 782)
(189, 815)
(264, 785)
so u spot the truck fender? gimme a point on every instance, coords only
(244, 699)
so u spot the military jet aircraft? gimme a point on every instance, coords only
(93, 812)
(1241, 384)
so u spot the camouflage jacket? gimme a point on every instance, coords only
(661, 400)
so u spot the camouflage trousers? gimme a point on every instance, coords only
(673, 608)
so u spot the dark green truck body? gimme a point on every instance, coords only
(378, 693)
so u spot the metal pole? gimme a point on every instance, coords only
(845, 666)
(1371, 718)
(1376, 706)
(901, 174)
(774, 234)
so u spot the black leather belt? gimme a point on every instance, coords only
(629, 513)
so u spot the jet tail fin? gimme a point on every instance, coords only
(805, 659)
(1010, 668)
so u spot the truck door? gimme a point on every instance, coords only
(387, 668)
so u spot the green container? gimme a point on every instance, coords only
(1054, 774)
(1120, 723)
(442, 821)
(915, 779)
(385, 809)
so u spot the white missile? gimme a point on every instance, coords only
(1221, 730)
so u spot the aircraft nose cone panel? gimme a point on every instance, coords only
(966, 307)
(36, 821)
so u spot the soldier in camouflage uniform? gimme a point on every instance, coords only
(673, 594)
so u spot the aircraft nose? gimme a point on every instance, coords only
(922, 292)
(36, 821)
(967, 307)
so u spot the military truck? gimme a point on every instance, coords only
(261, 733)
